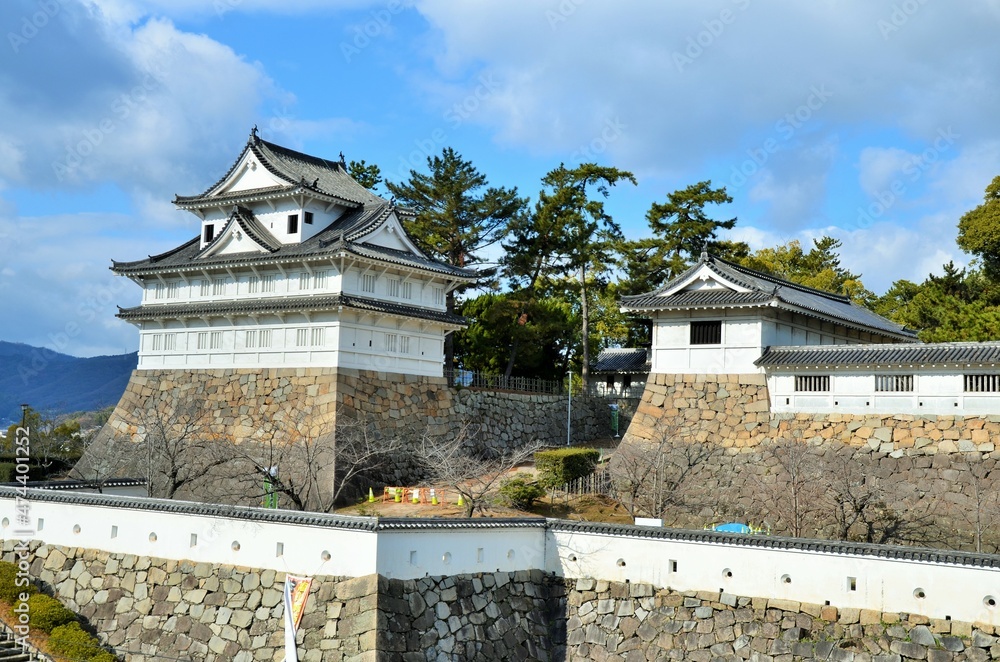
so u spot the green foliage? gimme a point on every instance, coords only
(681, 231)
(47, 613)
(519, 493)
(819, 268)
(10, 592)
(72, 641)
(368, 176)
(540, 327)
(979, 229)
(562, 465)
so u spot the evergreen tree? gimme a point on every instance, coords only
(979, 229)
(457, 215)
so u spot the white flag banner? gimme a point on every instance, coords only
(296, 594)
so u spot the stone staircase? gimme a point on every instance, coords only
(11, 651)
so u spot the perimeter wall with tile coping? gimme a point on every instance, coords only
(494, 589)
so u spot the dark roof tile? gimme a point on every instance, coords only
(276, 305)
(765, 287)
(623, 360)
(882, 355)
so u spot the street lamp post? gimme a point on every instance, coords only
(569, 407)
(24, 415)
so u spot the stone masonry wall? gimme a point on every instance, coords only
(638, 622)
(144, 606)
(944, 466)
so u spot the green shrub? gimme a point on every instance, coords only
(72, 641)
(10, 592)
(562, 465)
(519, 493)
(47, 613)
(7, 470)
(104, 656)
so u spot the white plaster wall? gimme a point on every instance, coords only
(125, 531)
(883, 584)
(674, 354)
(435, 552)
(936, 392)
(955, 592)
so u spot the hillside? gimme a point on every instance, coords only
(55, 383)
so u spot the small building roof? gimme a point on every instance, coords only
(743, 287)
(890, 355)
(622, 360)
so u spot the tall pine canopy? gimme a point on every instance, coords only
(457, 215)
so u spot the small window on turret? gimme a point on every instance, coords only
(293, 223)
(308, 218)
(706, 333)
(209, 233)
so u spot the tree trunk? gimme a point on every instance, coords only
(585, 369)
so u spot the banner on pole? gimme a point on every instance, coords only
(296, 594)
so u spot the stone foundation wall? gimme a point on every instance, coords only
(143, 607)
(638, 622)
(938, 470)
(146, 607)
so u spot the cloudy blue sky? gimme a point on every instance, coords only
(871, 121)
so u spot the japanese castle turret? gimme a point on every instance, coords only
(296, 266)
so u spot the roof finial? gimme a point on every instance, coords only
(253, 134)
(342, 162)
(704, 256)
(316, 183)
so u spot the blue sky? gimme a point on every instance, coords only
(873, 122)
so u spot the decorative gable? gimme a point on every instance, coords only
(242, 233)
(390, 234)
(703, 278)
(248, 175)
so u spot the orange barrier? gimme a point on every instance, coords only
(416, 495)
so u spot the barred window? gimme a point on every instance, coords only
(982, 383)
(250, 339)
(368, 283)
(301, 337)
(158, 291)
(264, 338)
(170, 342)
(438, 296)
(157, 343)
(267, 283)
(205, 288)
(391, 342)
(172, 290)
(253, 285)
(407, 292)
(202, 340)
(812, 383)
(317, 337)
(220, 286)
(215, 341)
(304, 281)
(706, 333)
(404, 345)
(319, 279)
(893, 383)
(393, 286)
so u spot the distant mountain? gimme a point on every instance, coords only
(55, 383)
